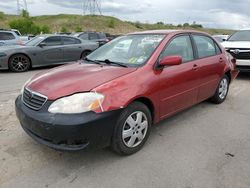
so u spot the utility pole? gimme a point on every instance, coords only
(21, 5)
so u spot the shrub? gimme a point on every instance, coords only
(78, 29)
(45, 29)
(111, 23)
(64, 30)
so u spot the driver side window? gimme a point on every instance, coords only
(181, 46)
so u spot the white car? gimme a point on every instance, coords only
(220, 38)
(238, 45)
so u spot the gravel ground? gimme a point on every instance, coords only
(205, 146)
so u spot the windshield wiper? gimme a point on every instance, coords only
(107, 61)
(93, 61)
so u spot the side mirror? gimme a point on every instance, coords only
(171, 60)
(42, 44)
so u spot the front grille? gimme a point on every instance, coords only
(240, 53)
(33, 100)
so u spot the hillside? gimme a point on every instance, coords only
(97, 23)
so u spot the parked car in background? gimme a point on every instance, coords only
(111, 37)
(221, 38)
(113, 98)
(11, 37)
(238, 45)
(99, 37)
(44, 50)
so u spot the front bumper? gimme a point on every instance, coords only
(243, 65)
(67, 131)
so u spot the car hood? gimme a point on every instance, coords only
(236, 44)
(74, 78)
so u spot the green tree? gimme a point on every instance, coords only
(186, 25)
(160, 23)
(25, 14)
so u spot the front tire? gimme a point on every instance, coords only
(19, 63)
(221, 91)
(132, 129)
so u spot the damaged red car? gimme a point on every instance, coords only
(114, 96)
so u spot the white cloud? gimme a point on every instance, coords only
(213, 13)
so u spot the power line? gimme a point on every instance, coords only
(91, 7)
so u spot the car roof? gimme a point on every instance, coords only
(56, 35)
(165, 32)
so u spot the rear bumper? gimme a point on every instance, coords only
(67, 131)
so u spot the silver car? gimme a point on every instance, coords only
(44, 50)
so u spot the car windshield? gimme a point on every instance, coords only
(240, 36)
(35, 41)
(131, 50)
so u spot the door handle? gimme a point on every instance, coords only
(221, 60)
(195, 67)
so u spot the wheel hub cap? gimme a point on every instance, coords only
(223, 88)
(135, 129)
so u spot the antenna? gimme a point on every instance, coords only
(21, 4)
(91, 6)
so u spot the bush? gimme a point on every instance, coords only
(27, 26)
(138, 25)
(111, 23)
(1, 15)
(64, 30)
(45, 29)
(78, 29)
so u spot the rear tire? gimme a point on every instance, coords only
(84, 54)
(221, 91)
(19, 63)
(132, 129)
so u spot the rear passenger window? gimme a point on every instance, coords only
(6, 36)
(93, 36)
(84, 36)
(181, 46)
(205, 46)
(69, 40)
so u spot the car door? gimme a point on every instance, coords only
(179, 84)
(50, 51)
(209, 63)
(72, 49)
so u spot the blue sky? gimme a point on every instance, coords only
(213, 13)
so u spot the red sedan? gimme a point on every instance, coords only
(119, 91)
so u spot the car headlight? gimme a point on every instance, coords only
(77, 103)
(2, 54)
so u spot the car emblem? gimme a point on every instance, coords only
(236, 51)
(30, 95)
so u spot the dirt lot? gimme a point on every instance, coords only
(205, 146)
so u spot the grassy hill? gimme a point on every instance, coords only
(97, 23)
